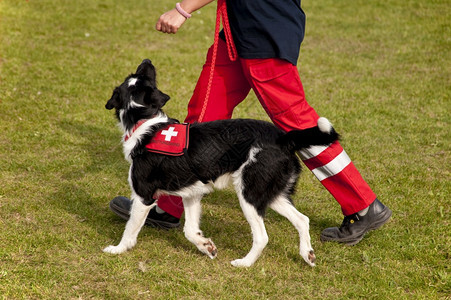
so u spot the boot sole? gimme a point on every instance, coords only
(351, 241)
(124, 214)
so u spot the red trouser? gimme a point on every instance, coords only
(279, 89)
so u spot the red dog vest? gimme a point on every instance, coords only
(171, 140)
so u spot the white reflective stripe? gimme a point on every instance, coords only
(333, 167)
(312, 151)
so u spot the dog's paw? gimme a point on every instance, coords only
(209, 248)
(212, 251)
(241, 263)
(310, 258)
(115, 249)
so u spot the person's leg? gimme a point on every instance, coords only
(279, 90)
(229, 88)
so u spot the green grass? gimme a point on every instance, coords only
(380, 70)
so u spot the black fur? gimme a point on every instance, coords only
(144, 93)
(216, 148)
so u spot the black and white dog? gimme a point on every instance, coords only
(255, 156)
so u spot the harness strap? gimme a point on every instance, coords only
(221, 12)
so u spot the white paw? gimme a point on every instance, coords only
(241, 263)
(209, 248)
(115, 249)
(309, 258)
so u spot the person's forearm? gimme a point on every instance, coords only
(192, 5)
(171, 21)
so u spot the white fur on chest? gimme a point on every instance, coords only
(137, 135)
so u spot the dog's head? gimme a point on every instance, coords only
(138, 96)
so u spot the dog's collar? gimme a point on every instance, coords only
(137, 125)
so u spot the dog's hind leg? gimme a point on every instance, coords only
(191, 228)
(259, 235)
(138, 216)
(283, 206)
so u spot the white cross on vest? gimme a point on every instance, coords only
(169, 134)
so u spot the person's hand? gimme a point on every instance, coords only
(170, 21)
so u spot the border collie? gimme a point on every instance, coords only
(255, 156)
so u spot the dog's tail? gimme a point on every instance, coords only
(322, 134)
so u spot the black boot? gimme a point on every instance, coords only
(355, 226)
(121, 206)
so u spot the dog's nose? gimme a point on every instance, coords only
(147, 61)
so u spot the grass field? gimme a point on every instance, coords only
(380, 70)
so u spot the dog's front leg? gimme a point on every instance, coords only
(138, 216)
(192, 231)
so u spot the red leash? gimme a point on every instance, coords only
(221, 12)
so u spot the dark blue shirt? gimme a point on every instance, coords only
(267, 28)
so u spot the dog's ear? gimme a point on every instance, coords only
(155, 97)
(147, 69)
(161, 98)
(115, 100)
